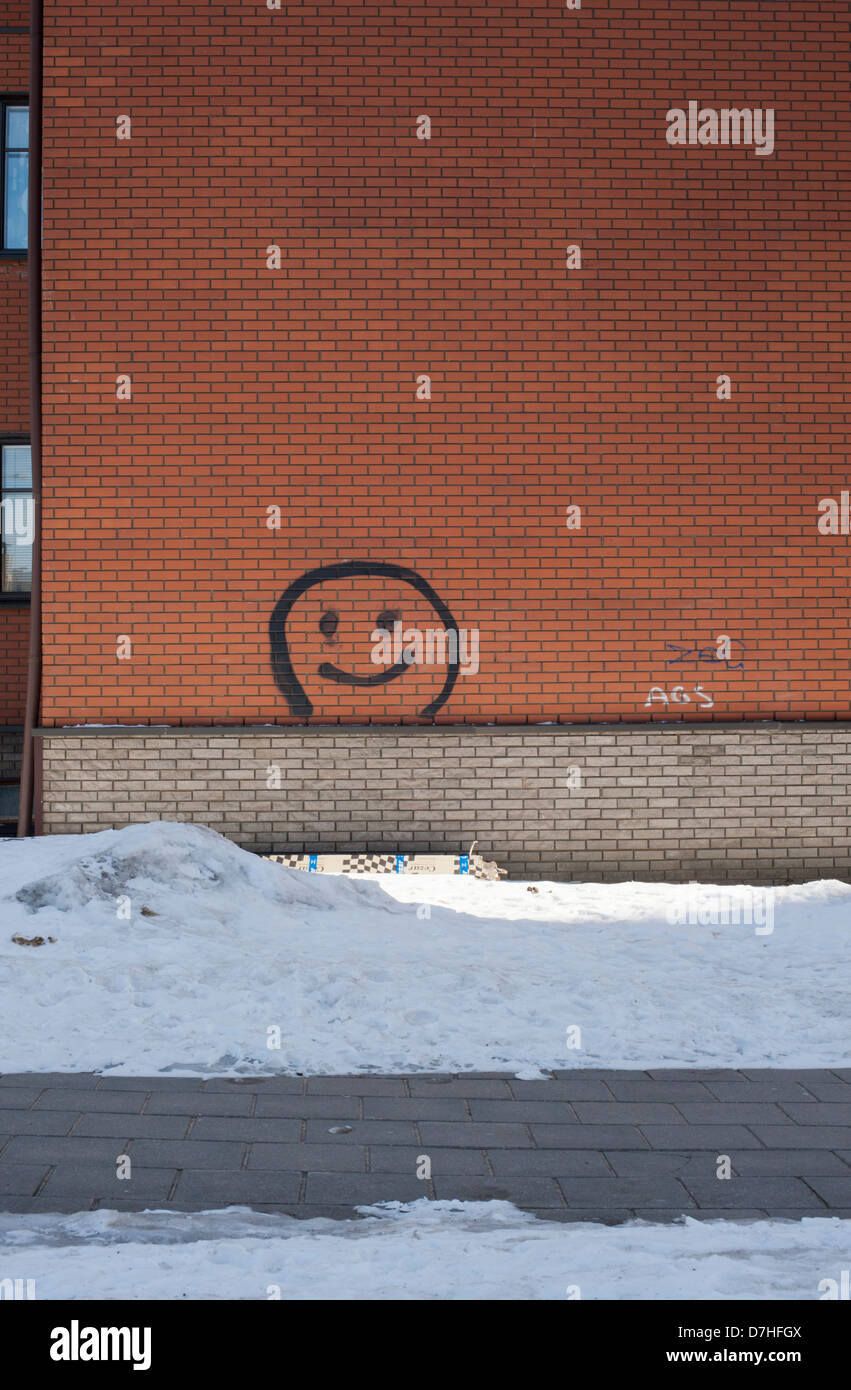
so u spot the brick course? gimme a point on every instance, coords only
(736, 803)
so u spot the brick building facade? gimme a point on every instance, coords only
(413, 321)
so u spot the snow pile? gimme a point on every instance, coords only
(424, 1250)
(174, 950)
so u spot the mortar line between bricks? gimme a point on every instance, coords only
(193, 1120)
(42, 1092)
(145, 1103)
(74, 1124)
(530, 1136)
(302, 1131)
(367, 1158)
(252, 1107)
(487, 1160)
(302, 1188)
(172, 1188)
(246, 1154)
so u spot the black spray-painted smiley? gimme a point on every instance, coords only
(282, 667)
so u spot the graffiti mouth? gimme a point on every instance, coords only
(333, 673)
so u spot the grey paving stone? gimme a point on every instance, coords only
(309, 1212)
(551, 1163)
(783, 1074)
(473, 1135)
(722, 1138)
(667, 1092)
(37, 1121)
(818, 1113)
(803, 1136)
(729, 1113)
(304, 1158)
(308, 1107)
(116, 1102)
(133, 1126)
(362, 1132)
(399, 1158)
(420, 1108)
(466, 1087)
(47, 1149)
(766, 1192)
(835, 1191)
(577, 1086)
(748, 1092)
(666, 1163)
(82, 1080)
(149, 1083)
(363, 1189)
(240, 1129)
(707, 1075)
(605, 1074)
(588, 1137)
(186, 1153)
(627, 1113)
(650, 1192)
(580, 1215)
(282, 1085)
(482, 1075)
(58, 1206)
(88, 1182)
(356, 1086)
(557, 1112)
(522, 1191)
(792, 1163)
(218, 1189)
(20, 1179)
(199, 1103)
(828, 1090)
(20, 1097)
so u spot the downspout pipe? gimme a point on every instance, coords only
(31, 713)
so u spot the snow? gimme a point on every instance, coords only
(395, 974)
(422, 1250)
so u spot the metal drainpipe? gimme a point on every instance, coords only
(26, 807)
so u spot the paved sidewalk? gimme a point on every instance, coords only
(601, 1145)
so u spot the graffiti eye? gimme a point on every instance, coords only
(384, 621)
(328, 624)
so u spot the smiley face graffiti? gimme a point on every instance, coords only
(311, 604)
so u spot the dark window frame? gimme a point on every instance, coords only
(10, 437)
(15, 253)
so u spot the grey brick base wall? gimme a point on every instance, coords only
(753, 803)
(11, 744)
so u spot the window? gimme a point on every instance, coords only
(14, 145)
(18, 520)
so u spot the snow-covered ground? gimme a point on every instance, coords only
(177, 951)
(427, 1250)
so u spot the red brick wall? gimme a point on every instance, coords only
(296, 387)
(14, 384)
